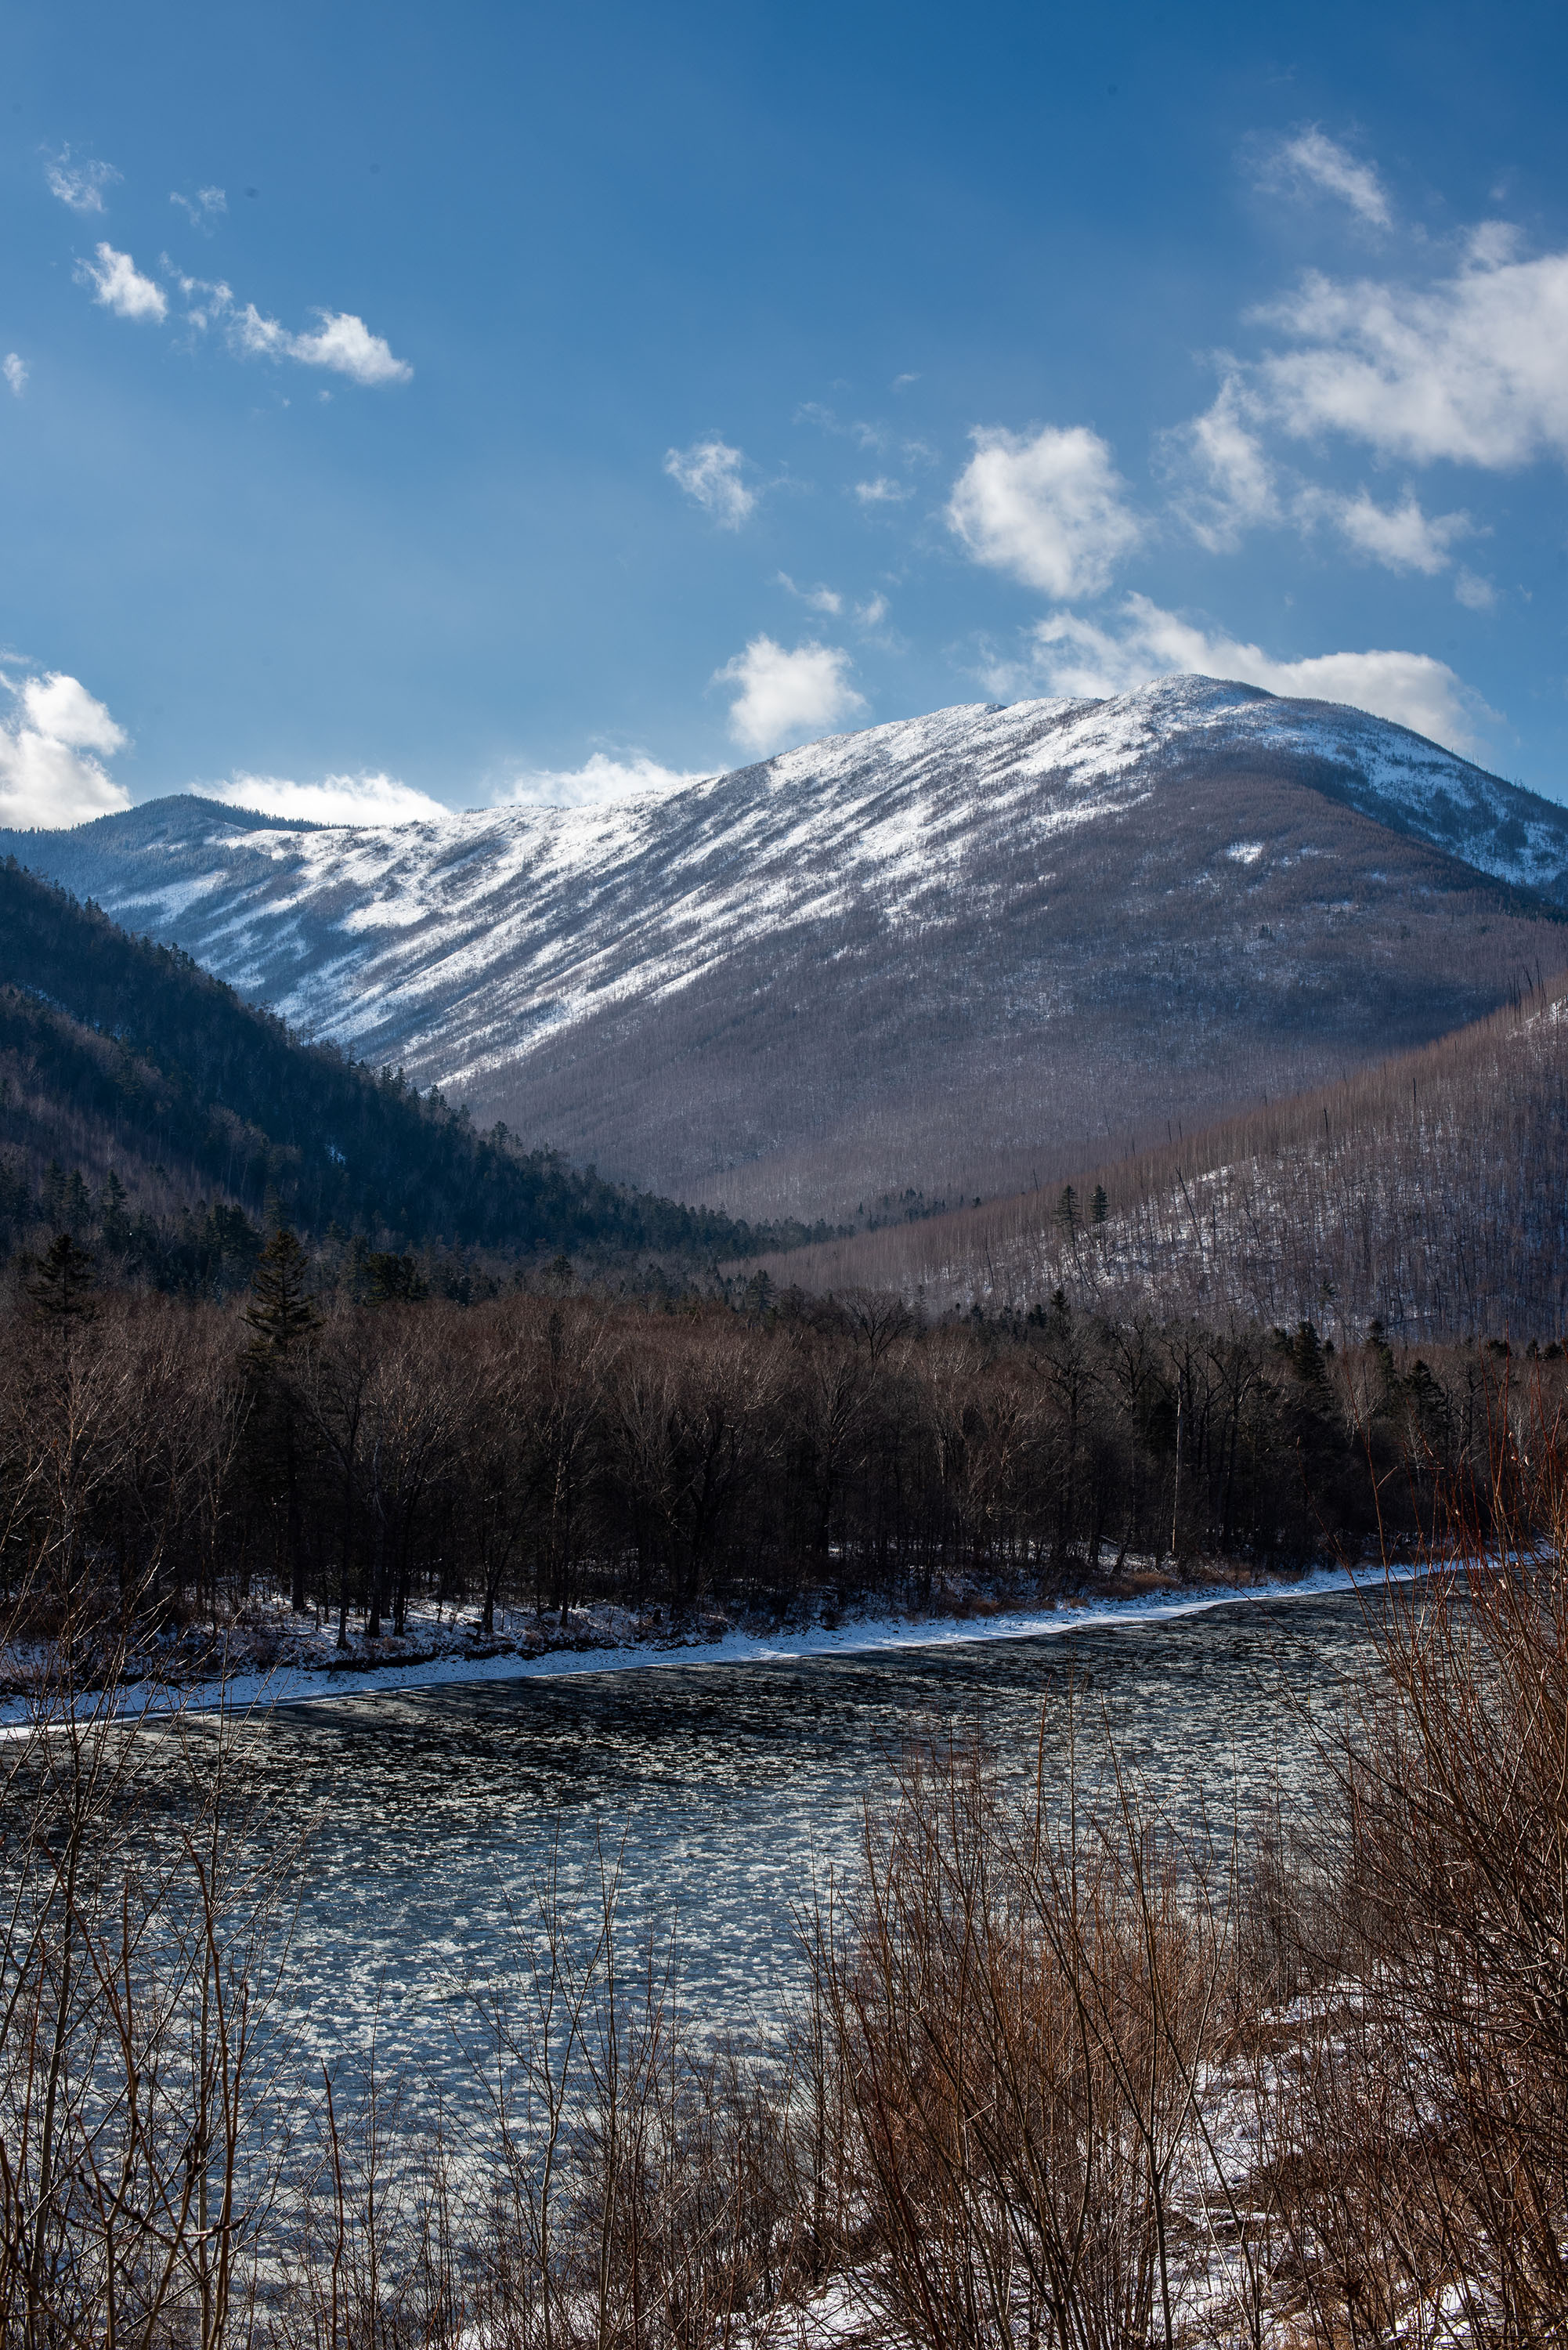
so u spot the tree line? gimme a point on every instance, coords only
(363, 1450)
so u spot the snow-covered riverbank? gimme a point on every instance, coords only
(325, 1679)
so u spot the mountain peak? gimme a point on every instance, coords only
(941, 950)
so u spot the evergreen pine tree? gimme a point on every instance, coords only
(280, 1315)
(1382, 1354)
(280, 1310)
(1067, 1214)
(113, 1221)
(1099, 1207)
(62, 1284)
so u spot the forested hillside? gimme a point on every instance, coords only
(137, 1091)
(1428, 1194)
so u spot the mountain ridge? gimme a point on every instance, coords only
(748, 990)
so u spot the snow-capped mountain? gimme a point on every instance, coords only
(935, 954)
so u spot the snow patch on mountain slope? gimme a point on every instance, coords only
(500, 927)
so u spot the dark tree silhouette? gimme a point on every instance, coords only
(62, 1284)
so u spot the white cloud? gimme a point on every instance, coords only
(119, 286)
(599, 781)
(15, 370)
(1473, 369)
(787, 697)
(1313, 159)
(346, 345)
(204, 208)
(48, 776)
(206, 300)
(62, 708)
(1402, 537)
(1477, 594)
(872, 613)
(80, 185)
(342, 342)
(882, 491)
(820, 599)
(1074, 655)
(710, 472)
(1229, 486)
(336, 799)
(1050, 510)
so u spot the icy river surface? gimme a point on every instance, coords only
(724, 1788)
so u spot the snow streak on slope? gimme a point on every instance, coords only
(941, 867)
(458, 941)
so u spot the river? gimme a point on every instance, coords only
(432, 1815)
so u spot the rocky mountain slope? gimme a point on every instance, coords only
(945, 955)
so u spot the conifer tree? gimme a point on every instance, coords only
(394, 1280)
(113, 1222)
(281, 1309)
(281, 1313)
(1307, 1354)
(62, 1285)
(1099, 1207)
(1067, 1214)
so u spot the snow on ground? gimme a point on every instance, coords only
(318, 1682)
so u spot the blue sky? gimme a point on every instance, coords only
(483, 402)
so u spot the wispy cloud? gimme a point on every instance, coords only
(119, 286)
(882, 491)
(712, 473)
(337, 799)
(875, 438)
(79, 185)
(342, 342)
(786, 697)
(1051, 509)
(1475, 594)
(14, 368)
(1313, 160)
(203, 210)
(820, 599)
(859, 429)
(1224, 480)
(1401, 537)
(50, 751)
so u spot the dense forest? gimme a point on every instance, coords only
(338, 1442)
(161, 1100)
